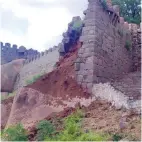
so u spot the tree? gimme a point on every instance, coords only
(130, 10)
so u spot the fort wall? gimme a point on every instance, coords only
(38, 65)
(106, 53)
(11, 52)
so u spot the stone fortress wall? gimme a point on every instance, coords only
(106, 52)
(37, 65)
(45, 61)
(136, 46)
(109, 62)
(11, 52)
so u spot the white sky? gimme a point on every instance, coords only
(37, 24)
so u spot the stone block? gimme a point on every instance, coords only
(89, 79)
(78, 60)
(77, 66)
(90, 60)
(121, 20)
(84, 85)
(89, 22)
(82, 66)
(89, 66)
(86, 55)
(81, 51)
(87, 38)
(87, 28)
(79, 78)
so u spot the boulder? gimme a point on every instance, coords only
(29, 106)
(9, 74)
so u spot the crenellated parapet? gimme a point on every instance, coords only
(33, 58)
(11, 52)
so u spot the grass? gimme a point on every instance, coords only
(73, 131)
(9, 95)
(33, 79)
(14, 133)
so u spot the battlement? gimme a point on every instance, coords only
(40, 55)
(11, 52)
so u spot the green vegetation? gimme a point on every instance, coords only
(68, 129)
(128, 45)
(130, 10)
(9, 95)
(73, 132)
(30, 81)
(45, 128)
(15, 133)
(77, 26)
(116, 137)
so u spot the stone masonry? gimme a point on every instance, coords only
(9, 53)
(38, 65)
(136, 47)
(103, 56)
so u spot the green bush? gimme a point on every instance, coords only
(73, 131)
(128, 45)
(45, 129)
(116, 137)
(30, 81)
(15, 133)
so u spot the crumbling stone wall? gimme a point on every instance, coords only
(9, 53)
(136, 47)
(103, 55)
(38, 65)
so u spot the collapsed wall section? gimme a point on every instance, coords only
(103, 55)
(41, 64)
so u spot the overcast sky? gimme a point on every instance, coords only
(37, 24)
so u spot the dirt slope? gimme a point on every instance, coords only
(5, 110)
(51, 93)
(61, 82)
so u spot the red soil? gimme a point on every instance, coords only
(61, 82)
